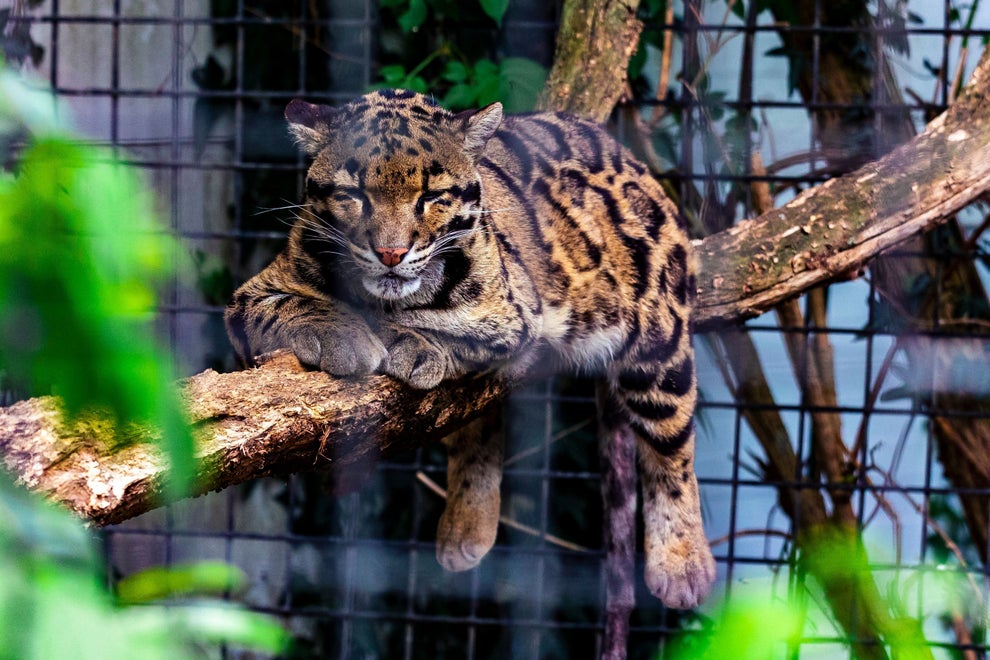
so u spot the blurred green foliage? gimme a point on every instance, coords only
(78, 287)
(767, 619)
(78, 297)
(740, 631)
(82, 257)
(159, 582)
(54, 602)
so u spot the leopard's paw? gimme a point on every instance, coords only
(413, 360)
(467, 530)
(680, 570)
(350, 349)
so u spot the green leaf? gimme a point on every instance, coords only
(414, 16)
(461, 97)
(416, 84)
(489, 90)
(487, 82)
(392, 74)
(521, 81)
(455, 72)
(484, 69)
(637, 61)
(495, 9)
(181, 580)
(234, 626)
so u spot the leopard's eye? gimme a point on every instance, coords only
(429, 197)
(348, 195)
(316, 189)
(432, 195)
(350, 200)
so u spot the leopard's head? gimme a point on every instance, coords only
(393, 184)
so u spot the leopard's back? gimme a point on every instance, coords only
(609, 262)
(603, 246)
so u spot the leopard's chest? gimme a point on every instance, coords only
(580, 345)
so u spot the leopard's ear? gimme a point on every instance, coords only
(309, 124)
(479, 127)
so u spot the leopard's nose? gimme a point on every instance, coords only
(391, 256)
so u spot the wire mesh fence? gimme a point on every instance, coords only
(880, 379)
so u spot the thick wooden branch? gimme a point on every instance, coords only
(272, 420)
(836, 228)
(276, 420)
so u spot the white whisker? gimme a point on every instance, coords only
(344, 255)
(263, 210)
(324, 231)
(488, 211)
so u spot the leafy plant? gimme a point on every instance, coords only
(756, 621)
(53, 603)
(739, 629)
(515, 81)
(412, 14)
(461, 72)
(77, 299)
(77, 290)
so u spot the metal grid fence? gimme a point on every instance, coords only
(191, 92)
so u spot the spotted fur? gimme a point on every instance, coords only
(434, 244)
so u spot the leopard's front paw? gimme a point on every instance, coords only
(680, 570)
(341, 350)
(415, 361)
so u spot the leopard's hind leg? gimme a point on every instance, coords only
(657, 398)
(469, 524)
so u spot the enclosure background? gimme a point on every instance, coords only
(191, 92)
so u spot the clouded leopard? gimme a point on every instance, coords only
(433, 244)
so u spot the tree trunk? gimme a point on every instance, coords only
(594, 43)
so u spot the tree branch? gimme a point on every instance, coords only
(276, 420)
(272, 420)
(833, 230)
